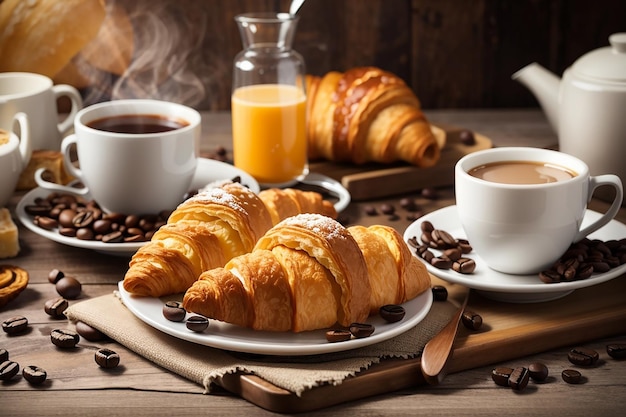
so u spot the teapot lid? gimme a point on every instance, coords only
(605, 64)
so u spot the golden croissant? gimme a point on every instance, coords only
(208, 229)
(367, 114)
(309, 272)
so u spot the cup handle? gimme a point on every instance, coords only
(64, 90)
(329, 184)
(595, 182)
(66, 148)
(53, 186)
(25, 146)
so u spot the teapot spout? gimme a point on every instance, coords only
(545, 86)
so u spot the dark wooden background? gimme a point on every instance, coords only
(454, 53)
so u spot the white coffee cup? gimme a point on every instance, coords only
(15, 153)
(132, 173)
(525, 228)
(35, 95)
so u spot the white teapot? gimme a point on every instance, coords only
(587, 107)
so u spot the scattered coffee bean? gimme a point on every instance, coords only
(371, 211)
(8, 369)
(464, 266)
(440, 262)
(15, 325)
(500, 376)
(518, 380)
(440, 293)
(338, 335)
(454, 254)
(173, 311)
(471, 320)
(69, 287)
(392, 312)
(571, 376)
(538, 371)
(34, 374)
(89, 333)
(197, 323)
(427, 227)
(361, 330)
(106, 358)
(64, 338)
(55, 275)
(452, 250)
(429, 193)
(467, 137)
(408, 204)
(4, 355)
(55, 307)
(616, 351)
(387, 209)
(583, 356)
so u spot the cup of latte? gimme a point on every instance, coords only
(522, 207)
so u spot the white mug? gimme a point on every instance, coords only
(132, 173)
(35, 95)
(15, 152)
(525, 228)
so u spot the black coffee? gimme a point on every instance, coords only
(137, 123)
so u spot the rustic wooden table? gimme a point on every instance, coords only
(76, 386)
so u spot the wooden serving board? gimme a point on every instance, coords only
(370, 181)
(509, 331)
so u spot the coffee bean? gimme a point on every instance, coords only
(113, 237)
(571, 376)
(106, 358)
(440, 262)
(64, 338)
(550, 276)
(616, 351)
(371, 211)
(8, 369)
(442, 239)
(387, 209)
(361, 330)
(338, 335)
(408, 204)
(34, 374)
(464, 246)
(467, 137)
(55, 307)
(471, 320)
(427, 227)
(197, 323)
(83, 219)
(55, 275)
(392, 313)
(173, 311)
(4, 355)
(412, 241)
(69, 287)
(44, 222)
(66, 218)
(428, 256)
(89, 333)
(583, 356)
(538, 371)
(519, 378)
(429, 193)
(500, 376)
(440, 293)
(454, 254)
(464, 266)
(15, 325)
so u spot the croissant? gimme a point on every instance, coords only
(309, 272)
(367, 114)
(219, 223)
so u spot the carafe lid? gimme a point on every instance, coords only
(606, 64)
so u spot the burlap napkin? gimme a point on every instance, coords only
(204, 365)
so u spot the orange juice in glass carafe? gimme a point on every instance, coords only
(269, 132)
(269, 101)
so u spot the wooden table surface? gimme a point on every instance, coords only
(76, 386)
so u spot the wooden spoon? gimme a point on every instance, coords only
(438, 350)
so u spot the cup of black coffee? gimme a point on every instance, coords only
(522, 207)
(135, 156)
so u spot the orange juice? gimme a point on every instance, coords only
(269, 132)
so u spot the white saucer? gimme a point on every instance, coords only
(512, 288)
(207, 171)
(230, 337)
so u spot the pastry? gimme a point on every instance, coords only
(52, 161)
(309, 272)
(13, 280)
(204, 232)
(367, 115)
(9, 237)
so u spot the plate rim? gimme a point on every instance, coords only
(537, 287)
(254, 347)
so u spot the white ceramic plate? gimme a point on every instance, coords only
(513, 288)
(207, 171)
(226, 336)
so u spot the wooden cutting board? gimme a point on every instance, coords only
(371, 181)
(510, 331)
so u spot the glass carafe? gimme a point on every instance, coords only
(269, 100)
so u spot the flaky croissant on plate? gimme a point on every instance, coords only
(207, 230)
(367, 114)
(309, 272)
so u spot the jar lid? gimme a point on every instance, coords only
(605, 64)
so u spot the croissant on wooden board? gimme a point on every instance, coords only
(367, 115)
(205, 231)
(309, 272)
